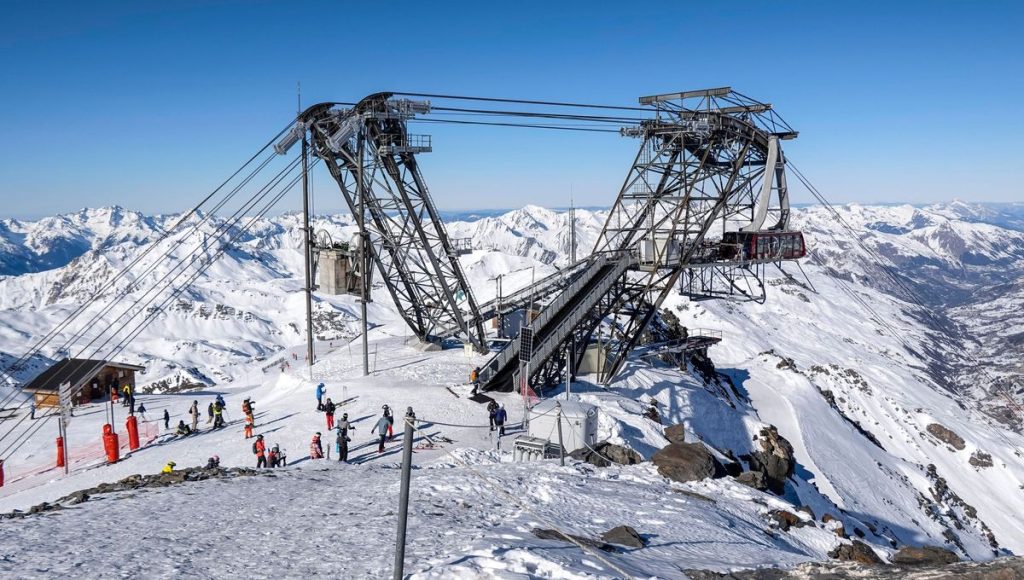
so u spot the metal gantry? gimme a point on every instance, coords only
(703, 207)
(708, 176)
(371, 155)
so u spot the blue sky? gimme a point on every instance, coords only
(150, 104)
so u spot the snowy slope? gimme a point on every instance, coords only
(848, 370)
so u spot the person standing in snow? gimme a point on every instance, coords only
(209, 414)
(142, 410)
(383, 426)
(329, 408)
(259, 449)
(218, 415)
(320, 390)
(342, 445)
(492, 410)
(391, 421)
(500, 416)
(167, 420)
(275, 457)
(32, 410)
(248, 426)
(194, 412)
(316, 451)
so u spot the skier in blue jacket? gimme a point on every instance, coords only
(500, 416)
(382, 426)
(319, 396)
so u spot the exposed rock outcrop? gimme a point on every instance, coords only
(856, 551)
(947, 436)
(604, 454)
(624, 536)
(754, 479)
(775, 458)
(686, 462)
(676, 433)
(923, 556)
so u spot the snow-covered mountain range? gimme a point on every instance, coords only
(902, 408)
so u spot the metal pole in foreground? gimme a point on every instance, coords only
(561, 448)
(306, 238)
(364, 243)
(403, 500)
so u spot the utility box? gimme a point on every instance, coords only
(659, 253)
(579, 423)
(332, 271)
(510, 323)
(593, 360)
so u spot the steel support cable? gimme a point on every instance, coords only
(200, 271)
(166, 234)
(512, 119)
(524, 125)
(913, 296)
(176, 272)
(152, 266)
(120, 346)
(534, 114)
(524, 101)
(501, 490)
(907, 290)
(181, 267)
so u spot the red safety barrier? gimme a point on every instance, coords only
(133, 432)
(110, 444)
(60, 452)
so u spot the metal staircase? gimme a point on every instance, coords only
(559, 318)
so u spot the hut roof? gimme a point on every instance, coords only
(74, 370)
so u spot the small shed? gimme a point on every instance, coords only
(92, 379)
(579, 423)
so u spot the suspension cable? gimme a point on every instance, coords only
(20, 440)
(46, 338)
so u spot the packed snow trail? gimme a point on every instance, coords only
(324, 518)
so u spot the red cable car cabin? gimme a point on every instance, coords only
(764, 245)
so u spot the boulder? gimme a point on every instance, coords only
(785, 520)
(546, 534)
(856, 551)
(980, 459)
(624, 536)
(604, 451)
(774, 458)
(754, 479)
(923, 556)
(675, 433)
(686, 462)
(946, 436)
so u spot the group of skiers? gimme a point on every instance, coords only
(383, 429)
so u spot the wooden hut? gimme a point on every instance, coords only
(90, 379)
